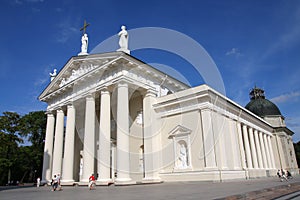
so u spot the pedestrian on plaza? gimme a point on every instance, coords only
(58, 181)
(288, 174)
(283, 175)
(54, 183)
(38, 182)
(92, 181)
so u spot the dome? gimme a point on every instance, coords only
(261, 106)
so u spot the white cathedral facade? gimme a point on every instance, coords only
(119, 118)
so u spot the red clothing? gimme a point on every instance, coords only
(92, 178)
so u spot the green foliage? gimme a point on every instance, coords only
(22, 163)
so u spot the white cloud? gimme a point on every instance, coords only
(286, 97)
(234, 51)
(67, 30)
(21, 2)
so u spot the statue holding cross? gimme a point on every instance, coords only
(84, 40)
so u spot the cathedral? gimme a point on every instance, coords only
(114, 116)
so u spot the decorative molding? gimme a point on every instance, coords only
(77, 73)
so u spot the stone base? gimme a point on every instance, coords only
(205, 175)
(124, 181)
(151, 180)
(67, 182)
(104, 182)
(124, 50)
(83, 183)
(83, 54)
(45, 182)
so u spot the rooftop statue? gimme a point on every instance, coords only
(123, 41)
(53, 75)
(84, 40)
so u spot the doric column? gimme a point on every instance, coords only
(58, 142)
(241, 145)
(48, 149)
(123, 165)
(264, 157)
(247, 147)
(89, 139)
(257, 144)
(208, 139)
(150, 140)
(271, 152)
(253, 149)
(267, 151)
(104, 139)
(68, 163)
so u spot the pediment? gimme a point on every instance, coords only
(179, 131)
(78, 67)
(106, 68)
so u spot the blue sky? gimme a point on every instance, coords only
(252, 43)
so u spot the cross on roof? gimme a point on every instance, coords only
(84, 27)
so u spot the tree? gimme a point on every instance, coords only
(10, 140)
(17, 162)
(33, 127)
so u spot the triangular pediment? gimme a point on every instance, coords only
(179, 131)
(77, 67)
(107, 67)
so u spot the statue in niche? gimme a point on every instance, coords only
(53, 75)
(183, 157)
(123, 41)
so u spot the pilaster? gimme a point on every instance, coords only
(151, 149)
(208, 139)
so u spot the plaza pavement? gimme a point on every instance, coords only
(263, 188)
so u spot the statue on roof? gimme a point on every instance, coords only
(84, 40)
(123, 41)
(53, 75)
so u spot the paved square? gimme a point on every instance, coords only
(179, 190)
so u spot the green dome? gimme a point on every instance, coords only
(261, 106)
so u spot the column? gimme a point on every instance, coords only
(48, 149)
(104, 139)
(241, 145)
(267, 151)
(264, 157)
(271, 152)
(151, 159)
(68, 163)
(234, 145)
(253, 149)
(247, 147)
(208, 139)
(89, 139)
(123, 164)
(58, 142)
(257, 144)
